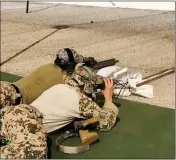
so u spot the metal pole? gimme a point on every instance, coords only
(156, 76)
(27, 7)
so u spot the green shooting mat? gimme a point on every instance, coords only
(142, 131)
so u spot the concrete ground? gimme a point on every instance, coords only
(143, 40)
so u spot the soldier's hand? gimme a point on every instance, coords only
(108, 91)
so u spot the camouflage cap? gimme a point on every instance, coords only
(86, 76)
(65, 54)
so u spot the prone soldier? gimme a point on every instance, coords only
(29, 88)
(23, 92)
(58, 111)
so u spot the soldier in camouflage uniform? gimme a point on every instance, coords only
(24, 132)
(29, 88)
(63, 103)
(8, 94)
(85, 80)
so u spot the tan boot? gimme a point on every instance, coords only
(87, 137)
(90, 121)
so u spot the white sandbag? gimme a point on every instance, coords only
(121, 75)
(136, 76)
(129, 79)
(108, 71)
(144, 91)
(132, 83)
(133, 79)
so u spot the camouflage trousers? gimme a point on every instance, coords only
(8, 94)
(24, 133)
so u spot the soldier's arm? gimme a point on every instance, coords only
(107, 114)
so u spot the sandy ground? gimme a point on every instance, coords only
(143, 40)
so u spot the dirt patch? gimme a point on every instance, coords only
(170, 37)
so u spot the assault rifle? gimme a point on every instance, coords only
(92, 63)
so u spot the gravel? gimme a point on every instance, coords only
(142, 40)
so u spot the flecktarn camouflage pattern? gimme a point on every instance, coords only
(8, 94)
(86, 77)
(88, 109)
(24, 132)
(71, 82)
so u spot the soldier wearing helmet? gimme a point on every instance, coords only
(58, 106)
(62, 103)
(58, 103)
(27, 89)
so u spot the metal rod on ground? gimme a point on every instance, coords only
(156, 76)
(27, 7)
